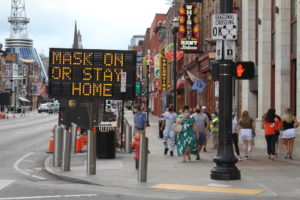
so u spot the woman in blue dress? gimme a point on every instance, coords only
(186, 139)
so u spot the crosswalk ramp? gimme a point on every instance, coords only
(5, 183)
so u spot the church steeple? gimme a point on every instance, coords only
(77, 43)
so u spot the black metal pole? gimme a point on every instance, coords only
(15, 107)
(148, 92)
(225, 160)
(174, 65)
(122, 123)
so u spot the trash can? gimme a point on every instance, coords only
(106, 142)
(161, 129)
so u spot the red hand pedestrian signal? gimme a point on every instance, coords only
(240, 70)
(244, 70)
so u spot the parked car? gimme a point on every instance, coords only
(43, 108)
(53, 107)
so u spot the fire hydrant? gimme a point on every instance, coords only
(136, 145)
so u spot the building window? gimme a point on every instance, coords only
(294, 26)
(293, 67)
(294, 9)
(273, 53)
(294, 38)
(293, 86)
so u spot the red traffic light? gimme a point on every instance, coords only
(244, 70)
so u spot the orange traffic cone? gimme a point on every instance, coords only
(78, 141)
(51, 145)
(83, 141)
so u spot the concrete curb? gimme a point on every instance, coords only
(73, 179)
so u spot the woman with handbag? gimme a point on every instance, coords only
(186, 138)
(289, 123)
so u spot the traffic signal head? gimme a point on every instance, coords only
(244, 70)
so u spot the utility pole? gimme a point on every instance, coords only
(225, 160)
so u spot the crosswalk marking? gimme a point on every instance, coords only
(50, 197)
(207, 189)
(5, 183)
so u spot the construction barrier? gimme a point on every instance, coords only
(78, 148)
(51, 145)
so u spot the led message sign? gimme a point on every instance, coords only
(86, 73)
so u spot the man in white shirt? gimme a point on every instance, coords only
(170, 118)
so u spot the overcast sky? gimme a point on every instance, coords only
(104, 24)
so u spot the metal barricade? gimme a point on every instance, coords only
(58, 146)
(128, 138)
(66, 155)
(91, 153)
(74, 134)
(143, 161)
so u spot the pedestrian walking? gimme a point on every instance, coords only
(272, 123)
(170, 118)
(23, 111)
(200, 119)
(203, 109)
(245, 127)
(214, 129)
(289, 125)
(235, 136)
(277, 133)
(186, 139)
(140, 120)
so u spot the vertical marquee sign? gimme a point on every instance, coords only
(86, 73)
(163, 73)
(189, 28)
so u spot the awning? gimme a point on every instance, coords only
(24, 99)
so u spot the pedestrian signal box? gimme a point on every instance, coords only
(244, 70)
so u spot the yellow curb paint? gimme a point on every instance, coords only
(207, 189)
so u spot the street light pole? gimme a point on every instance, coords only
(225, 160)
(174, 31)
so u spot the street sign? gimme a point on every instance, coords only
(229, 50)
(123, 81)
(224, 26)
(219, 50)
(138, 88)
(244, 70)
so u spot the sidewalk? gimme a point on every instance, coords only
(256, 172)
(12, 115)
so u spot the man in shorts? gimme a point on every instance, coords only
(200, 119)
